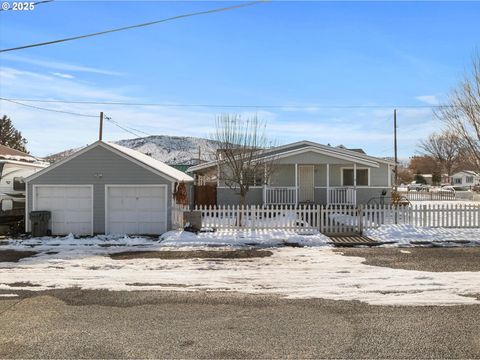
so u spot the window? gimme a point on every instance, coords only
(457, 181)
(469, 179)
(362, 177)
(18, 184)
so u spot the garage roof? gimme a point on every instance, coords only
(149, 161)
(133, 155)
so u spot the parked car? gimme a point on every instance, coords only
(446, 188)
(416, 186)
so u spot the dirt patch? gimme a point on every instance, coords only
(422, 259)
(156, 284)
(193, 254)
(23, 284)
(14, 256)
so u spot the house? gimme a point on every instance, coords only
(105, 188)
(465, 178)
(15, 166)
(307, 173)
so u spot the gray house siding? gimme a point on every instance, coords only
(227, 196)
(115, 170)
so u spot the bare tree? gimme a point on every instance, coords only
(241, 155)
(444, 148)
(462, 112)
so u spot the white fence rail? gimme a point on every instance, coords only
(335, 219)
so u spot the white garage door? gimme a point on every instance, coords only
(71, 208)
(136, 210)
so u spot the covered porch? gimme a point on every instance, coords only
(330, 184)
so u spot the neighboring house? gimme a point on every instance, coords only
(465, 178)
(105, 188)
(15, 166)
(308, 173)
(444, 179)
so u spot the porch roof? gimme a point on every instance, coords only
(309, 146)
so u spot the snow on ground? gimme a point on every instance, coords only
(409, 234)
(262, 238)
(309, 272)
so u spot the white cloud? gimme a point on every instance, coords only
(428, 99)
(51, 64)
(49, 132)
(62, 75)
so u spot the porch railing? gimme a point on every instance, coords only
(280, 195)
(341, 196)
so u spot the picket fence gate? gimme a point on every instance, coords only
(333, 219)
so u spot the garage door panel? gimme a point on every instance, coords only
(78, 216)
(149, 192)
(136, 210)
(70, 207)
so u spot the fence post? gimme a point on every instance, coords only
(360, 218)
(424, 215)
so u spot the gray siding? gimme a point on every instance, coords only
(255, 196)
(226, 196)
(115, 170)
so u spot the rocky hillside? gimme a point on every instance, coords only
(173, 150)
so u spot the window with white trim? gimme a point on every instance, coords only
(457, 181)
(362, 177)
(469, 179)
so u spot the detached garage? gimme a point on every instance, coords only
(105, 188)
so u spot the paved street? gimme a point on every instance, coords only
(74, 323)
(102, 324)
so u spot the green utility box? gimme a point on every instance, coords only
(39, 223)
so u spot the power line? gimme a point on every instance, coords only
(251, 106)
(46, 109)
(135, 26)
(126, 128)
(34, 4)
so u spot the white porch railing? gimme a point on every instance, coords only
(341, 196)
(280, 195)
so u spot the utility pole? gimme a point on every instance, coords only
(395, 146)
(100, 129)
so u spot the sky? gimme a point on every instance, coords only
(333, 71)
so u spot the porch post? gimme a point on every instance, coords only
(355, 183)
(389, 171)
(328, 184)
(355, 176)
(265, 184)
(296, 184)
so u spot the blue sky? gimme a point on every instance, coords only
(295, 54)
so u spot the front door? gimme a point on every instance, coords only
(305, 183)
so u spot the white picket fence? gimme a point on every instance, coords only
(334, 219)
(429, 195)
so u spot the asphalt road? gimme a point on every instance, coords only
(101, 324)
(423, 259)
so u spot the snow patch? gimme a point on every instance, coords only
(409, 234)
(297, 273)
(239, 238)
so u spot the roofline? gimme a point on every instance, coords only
(106, 146)
(27, 163)
(323, 151)
(310, 144)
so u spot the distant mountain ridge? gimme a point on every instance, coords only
(173, 150)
